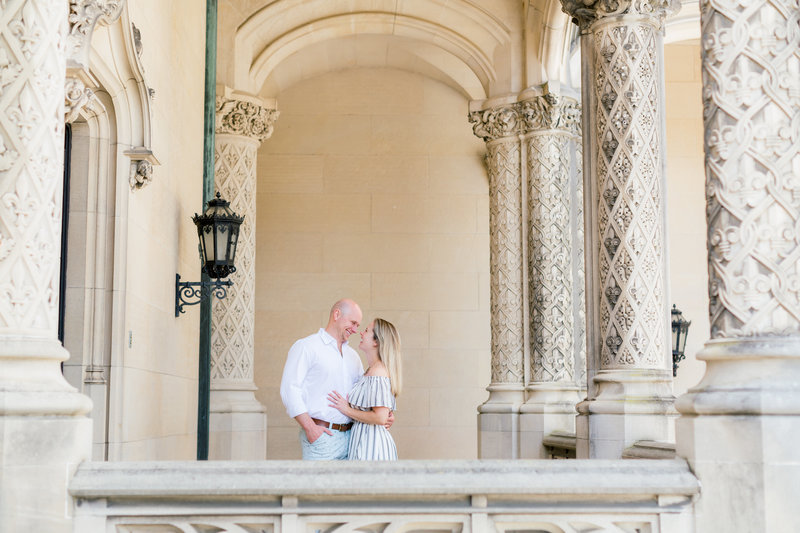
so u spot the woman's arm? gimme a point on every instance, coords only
(377, 416)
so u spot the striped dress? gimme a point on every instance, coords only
(371, 442)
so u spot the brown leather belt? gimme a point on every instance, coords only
(337, 427)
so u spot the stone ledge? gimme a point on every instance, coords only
(582, 479)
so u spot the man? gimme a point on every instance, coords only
(317, 365)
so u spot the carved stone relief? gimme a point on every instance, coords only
(76, 96)
(83, 16)
(579, 266)
(751, 100)
(31, 153)
(141, 174)
(630, 205)
(242, 117)
(550, 258)
(505, 235)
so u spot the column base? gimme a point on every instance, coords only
(498, 422)
(738, 430)
(43, 436)
(237, 426)
(630, 405)
(550, 407)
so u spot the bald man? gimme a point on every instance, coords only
(317, 365)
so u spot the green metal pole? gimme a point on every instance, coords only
(209, 110)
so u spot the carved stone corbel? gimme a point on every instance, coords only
(142, 163)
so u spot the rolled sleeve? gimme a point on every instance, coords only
(294, 372)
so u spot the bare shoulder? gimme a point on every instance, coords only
(377, 370)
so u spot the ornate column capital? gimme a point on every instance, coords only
(551, 112)
(546, 112)
(496, 122)
(238, 116)
(83, 17)
(585, 12)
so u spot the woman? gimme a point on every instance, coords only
(373, 396)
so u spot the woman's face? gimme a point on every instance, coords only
(368, 338)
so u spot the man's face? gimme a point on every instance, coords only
(348, 323)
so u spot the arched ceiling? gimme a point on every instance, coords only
(455, 41)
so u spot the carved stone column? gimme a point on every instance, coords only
(630, 389)
(552, 124)
(750, 394)
(43, 430)
(238, 422)
(498, 418)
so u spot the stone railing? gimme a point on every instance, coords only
(458, 496)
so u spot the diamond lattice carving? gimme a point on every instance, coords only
(751, 98)
(630, 207)
(233, 319)
(32, 71)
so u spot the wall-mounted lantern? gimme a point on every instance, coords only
(218, 230)
(680, 328)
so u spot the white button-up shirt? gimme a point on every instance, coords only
(314, 368)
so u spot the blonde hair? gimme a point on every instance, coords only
(389, 352)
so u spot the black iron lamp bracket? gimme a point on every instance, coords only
(194, 292)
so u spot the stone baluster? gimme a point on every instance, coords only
(43, 430)
(750, 394)
(552, 124)
(630, 383)
(498, 419)
(238, 422)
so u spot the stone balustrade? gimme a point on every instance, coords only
(458, 496)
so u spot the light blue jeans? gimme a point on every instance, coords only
(326, 447)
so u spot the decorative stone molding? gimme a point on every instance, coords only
(76, 97)
(751, 102)
(586, 12)
(243, 117)
(83, 16)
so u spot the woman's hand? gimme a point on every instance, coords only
(338, 401)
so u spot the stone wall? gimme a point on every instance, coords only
(373, 187)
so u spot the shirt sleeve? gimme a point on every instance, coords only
(294, 373)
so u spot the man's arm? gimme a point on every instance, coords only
(294, 372)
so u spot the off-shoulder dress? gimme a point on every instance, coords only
(371, 442)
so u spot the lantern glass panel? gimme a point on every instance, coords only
(208, 243)
(221, 252)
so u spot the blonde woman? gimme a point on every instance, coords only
(373, 396)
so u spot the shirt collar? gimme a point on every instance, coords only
(326, 337)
